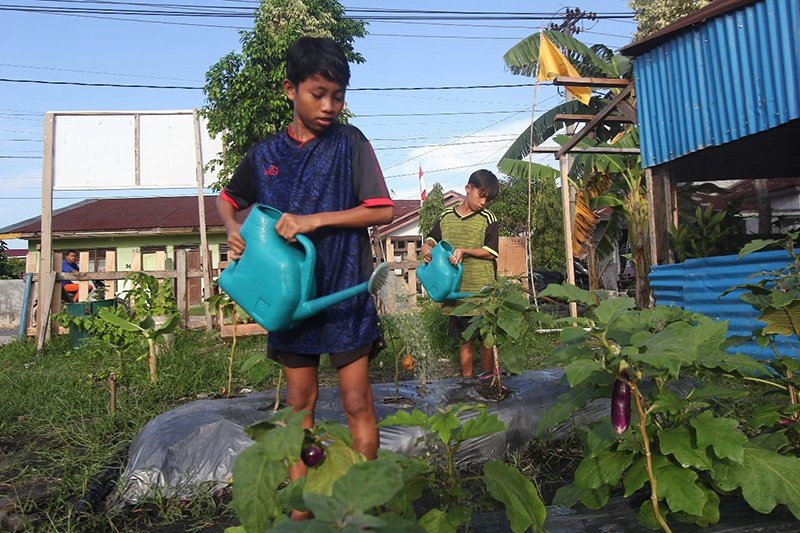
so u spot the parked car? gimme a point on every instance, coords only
(543, 278)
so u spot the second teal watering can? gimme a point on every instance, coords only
(441, 278)
(273, 281)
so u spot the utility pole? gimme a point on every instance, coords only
(569, 26)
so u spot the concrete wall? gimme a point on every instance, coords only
(11, 291)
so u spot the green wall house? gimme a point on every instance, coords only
(126, 226)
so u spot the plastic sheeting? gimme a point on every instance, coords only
(196, 443)
(620, 515)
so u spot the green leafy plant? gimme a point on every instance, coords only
(145, 327)
(704, 233)
(344, 492)
(150, 296)
(98, 328)
(672, 441)
(776, 296)
(499, 316)
(524, 507)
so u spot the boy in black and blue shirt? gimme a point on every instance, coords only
(326, 180)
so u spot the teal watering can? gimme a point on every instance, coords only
(273, 281)
(441, 278)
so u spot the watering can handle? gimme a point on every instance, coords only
(307, 266)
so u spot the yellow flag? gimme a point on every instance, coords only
(552, 63)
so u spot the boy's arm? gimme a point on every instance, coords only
(227, 213)
(238, 194)
(361, 216)
(433, 237)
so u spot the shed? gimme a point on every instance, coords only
(718, 98)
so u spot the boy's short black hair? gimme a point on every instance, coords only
(486, 182)
(317, 55)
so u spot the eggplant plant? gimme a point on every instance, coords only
(776, 296)
(499, 314)
(345, 492)
(145, 327)
(524, 507)
(670, 443)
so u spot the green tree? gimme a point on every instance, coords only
(652, 15)
(244, 93)
(511, 208)
(9, 268)
(431, 208)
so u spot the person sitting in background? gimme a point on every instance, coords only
(69, 289)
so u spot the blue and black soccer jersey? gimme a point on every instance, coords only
(333, 172)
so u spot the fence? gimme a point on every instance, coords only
(35, 314)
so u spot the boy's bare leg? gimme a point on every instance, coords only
(466, 359)
(487, 358)
(302, 390)
(356, 394)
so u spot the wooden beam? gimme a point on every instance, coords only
(588, 118)
(567, 81)
(584, 150)
(567, 221)
(602, 114)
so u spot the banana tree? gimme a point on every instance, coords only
(627, 196)
(590, 61)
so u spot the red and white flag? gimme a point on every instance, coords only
(423, 189)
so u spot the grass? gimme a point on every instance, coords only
(57, 432)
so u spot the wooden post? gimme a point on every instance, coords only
(412, 272)
(111, 266)
(389, 250)
(652, 213)
(180, 286)
(573, 308)
(161, 260)
(136, 261)
(205, 260)
(55, 295)
(83, 286)
(45, 254)
(31, 262)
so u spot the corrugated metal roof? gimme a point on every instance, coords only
(697, 285)
(735, 75)
(111, 215)
(121, 214)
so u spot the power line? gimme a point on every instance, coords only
(197, 88)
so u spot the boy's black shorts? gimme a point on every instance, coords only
(457, 325)
(338, 360)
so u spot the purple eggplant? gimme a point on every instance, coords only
(312, 455)
(621, 406)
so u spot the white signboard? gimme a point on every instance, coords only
(131, 150)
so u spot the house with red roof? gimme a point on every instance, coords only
(166, 224)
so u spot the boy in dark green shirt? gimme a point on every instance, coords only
(472, 230)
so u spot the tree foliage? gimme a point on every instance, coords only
(431, 208)
(9, 268)
(652, 16)
(511, 209)
(244, 94)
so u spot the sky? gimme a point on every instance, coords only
(448, 132)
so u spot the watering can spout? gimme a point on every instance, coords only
(312, 307)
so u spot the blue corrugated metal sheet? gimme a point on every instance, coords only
(697, 285)
(734, 75)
